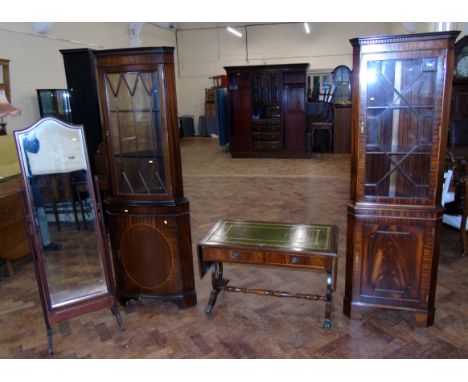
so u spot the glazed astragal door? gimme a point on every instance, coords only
(399, 126)
(137, 137)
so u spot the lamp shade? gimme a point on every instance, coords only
(5, 107)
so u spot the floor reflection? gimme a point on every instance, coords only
(75, 269)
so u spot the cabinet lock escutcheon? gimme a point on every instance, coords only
(362, 127)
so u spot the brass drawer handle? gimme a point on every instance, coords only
(294, 260)
(235, 255)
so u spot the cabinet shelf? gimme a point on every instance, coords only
(401, 150)
(147, 154)
(400, 107)
(146, 110)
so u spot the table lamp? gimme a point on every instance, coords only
(6, 109)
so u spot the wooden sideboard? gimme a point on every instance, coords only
(14, 242)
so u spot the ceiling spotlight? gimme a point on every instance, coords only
(233, 31)
(307, 29)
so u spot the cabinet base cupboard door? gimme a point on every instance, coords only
(401, 105)
(152, 251)
(148, 216)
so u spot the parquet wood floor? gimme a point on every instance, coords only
(247, 326)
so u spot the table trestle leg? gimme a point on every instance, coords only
(327, 324)
(218, 283)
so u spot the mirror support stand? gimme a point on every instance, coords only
(49, 340)
(56, 180)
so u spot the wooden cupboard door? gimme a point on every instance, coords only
(294, 117)
(267, 87)
(240, 112)
(392, 262)
(145, 250)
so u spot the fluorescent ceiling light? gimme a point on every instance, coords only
(307, 29)
(233, 31)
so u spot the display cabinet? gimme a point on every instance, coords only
(148, 216)
(5, 77)
(401, 105)
(266, 110)
(54, 103)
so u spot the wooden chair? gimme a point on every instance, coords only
(457, 218)
(464, 216)
(322, 118)
(57, 191)
(456, 204)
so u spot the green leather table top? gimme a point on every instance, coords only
(275, 235)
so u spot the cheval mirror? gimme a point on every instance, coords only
(65, 226)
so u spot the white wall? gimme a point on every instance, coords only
(36, 63)
(203, 53)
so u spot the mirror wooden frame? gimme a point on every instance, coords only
(77, 306)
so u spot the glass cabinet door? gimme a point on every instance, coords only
(55, 103)
(134, 110)
(399, 121)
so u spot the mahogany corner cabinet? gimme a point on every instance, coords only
(147, 213)
(401, 107)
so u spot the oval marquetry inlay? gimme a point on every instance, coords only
(146, 256)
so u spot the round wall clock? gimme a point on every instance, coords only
(461, 58)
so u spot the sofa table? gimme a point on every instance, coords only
(294, 246)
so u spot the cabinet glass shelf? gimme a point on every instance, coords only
(135, 111)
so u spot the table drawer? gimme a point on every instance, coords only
(267, 146)
(301, 261)
(266, 136)
(233, 256)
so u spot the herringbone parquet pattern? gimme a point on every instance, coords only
(247, 326)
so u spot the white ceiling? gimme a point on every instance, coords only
(204, 25)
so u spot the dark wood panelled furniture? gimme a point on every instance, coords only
(401, 105)
(80, 71)
(14, 240)
(266, 110)
(294, 246)
(148, 216)
(458, 129)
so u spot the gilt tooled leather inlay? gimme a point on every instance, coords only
(300, 236)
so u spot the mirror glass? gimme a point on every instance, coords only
(58, 185)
